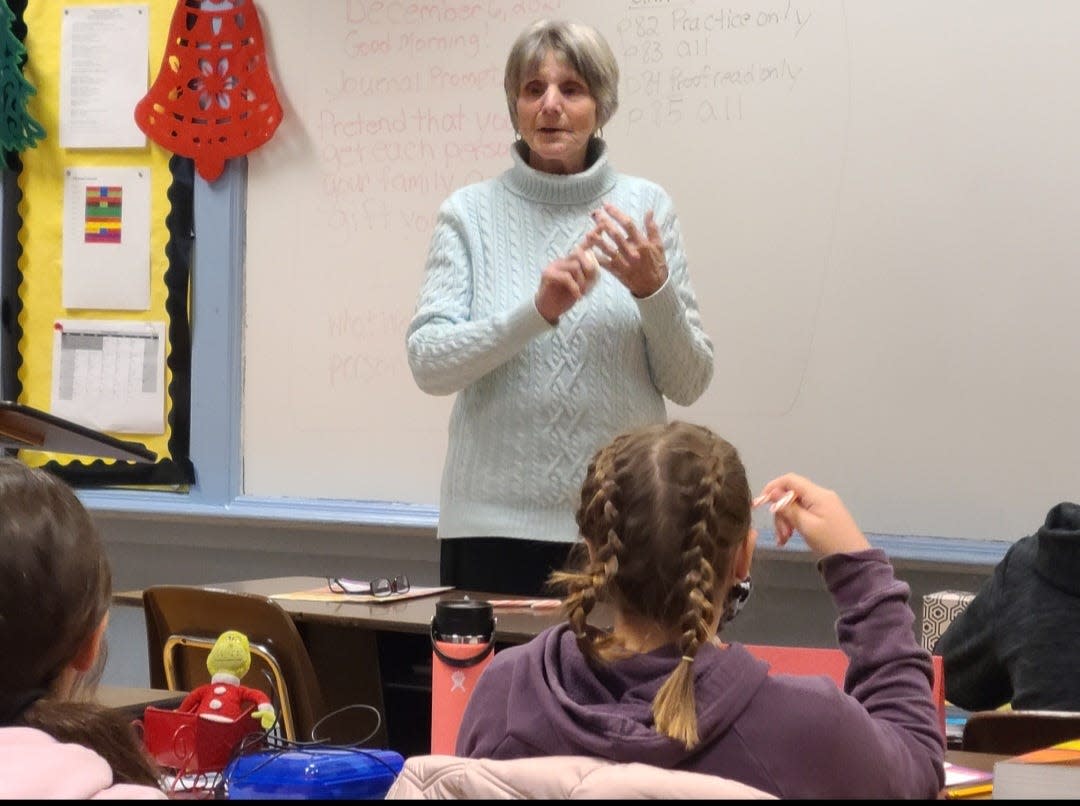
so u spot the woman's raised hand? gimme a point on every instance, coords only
(564, 281)
(635, 257)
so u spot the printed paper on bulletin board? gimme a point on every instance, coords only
(107, 227)
(42, 235)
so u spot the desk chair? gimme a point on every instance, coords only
(1014, 732)
(182, 624)
(832, 662)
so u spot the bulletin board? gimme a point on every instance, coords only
(51, 298)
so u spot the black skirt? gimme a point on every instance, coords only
(508, 565)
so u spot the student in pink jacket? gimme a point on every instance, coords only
(55, 588)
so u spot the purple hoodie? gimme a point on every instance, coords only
(793, 736)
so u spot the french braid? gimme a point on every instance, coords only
(600, 497)
(662, 510)
(674, 710)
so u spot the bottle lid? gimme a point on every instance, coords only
(464, 617)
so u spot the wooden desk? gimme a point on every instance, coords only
(977, 761)
(410, 616)
(343, 637)
(133, 701)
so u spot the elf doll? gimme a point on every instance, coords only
(223, 699)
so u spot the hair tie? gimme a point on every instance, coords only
(688, 658)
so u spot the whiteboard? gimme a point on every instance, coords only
(879, 202)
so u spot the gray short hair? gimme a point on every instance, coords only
(583, 48)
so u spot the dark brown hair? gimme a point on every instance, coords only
(55, 588)
(663, 509)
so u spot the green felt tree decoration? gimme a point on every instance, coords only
(18, 130)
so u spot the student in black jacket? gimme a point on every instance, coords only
(1018, 641)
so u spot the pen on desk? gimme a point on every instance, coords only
(532, 604)
(969, 791)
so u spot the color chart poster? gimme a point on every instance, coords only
(107, 238)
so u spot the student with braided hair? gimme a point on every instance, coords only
(665, 519)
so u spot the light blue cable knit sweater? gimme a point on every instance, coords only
(536, 401)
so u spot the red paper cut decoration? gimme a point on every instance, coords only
(213, 98)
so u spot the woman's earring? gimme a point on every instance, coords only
(736, 599)
(599, 133)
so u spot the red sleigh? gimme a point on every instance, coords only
(188, 745)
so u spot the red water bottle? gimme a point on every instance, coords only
(462, 644)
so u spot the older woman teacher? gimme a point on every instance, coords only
(557, 306)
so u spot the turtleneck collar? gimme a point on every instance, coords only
(580, 188)
(1058, 556)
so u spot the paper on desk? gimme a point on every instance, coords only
(104, 52)
(324, 594)
(110, 375)
(106, 241)
(956, 775)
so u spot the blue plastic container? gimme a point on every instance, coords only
(322, 773)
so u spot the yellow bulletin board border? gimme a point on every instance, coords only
(32, 299)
